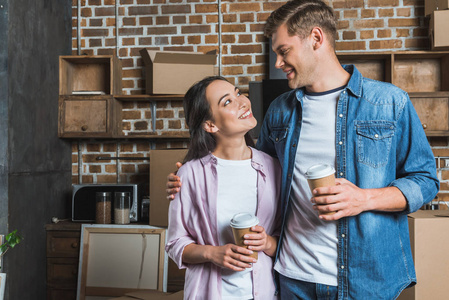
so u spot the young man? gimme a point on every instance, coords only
(371, 133)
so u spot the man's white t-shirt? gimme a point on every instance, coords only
(237, 192)
(309, 248)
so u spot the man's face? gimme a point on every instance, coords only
(294, 56)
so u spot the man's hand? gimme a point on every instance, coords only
(346, 199)
(173, 183)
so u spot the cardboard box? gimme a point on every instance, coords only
(175, 72)
(432, 5)
(438, 30)
(429, 238)
(162, 163)
(151, 295)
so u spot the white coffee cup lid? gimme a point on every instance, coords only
(319, 171)
(244, 220)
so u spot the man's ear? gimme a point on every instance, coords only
(210, 127)
(317, 36)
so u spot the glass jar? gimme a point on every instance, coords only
(103, 208)
(121, 207)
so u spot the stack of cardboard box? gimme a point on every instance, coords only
(438, 10)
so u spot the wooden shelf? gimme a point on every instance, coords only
(149, 97)
(154, 136)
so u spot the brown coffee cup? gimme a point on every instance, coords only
(321, 175)
(241, 224)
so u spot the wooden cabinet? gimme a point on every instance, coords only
(423, 74)
(89, 116)
(86, 104)
(63, 246)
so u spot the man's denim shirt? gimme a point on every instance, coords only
(379, 143)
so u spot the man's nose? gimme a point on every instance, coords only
(279, 62)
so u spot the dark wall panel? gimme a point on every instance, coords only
(38, 163)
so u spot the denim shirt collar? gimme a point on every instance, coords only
(354, 85)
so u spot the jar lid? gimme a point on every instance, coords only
(121, 194)
(103, 194)
(319, 171)
(244, 220)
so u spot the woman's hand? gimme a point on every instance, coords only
(260, 241)
(231, 256)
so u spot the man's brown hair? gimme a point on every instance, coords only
(301, 16)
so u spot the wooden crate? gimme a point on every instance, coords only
(89, 74)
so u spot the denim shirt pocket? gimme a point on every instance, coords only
(278, 136)
(374, 140)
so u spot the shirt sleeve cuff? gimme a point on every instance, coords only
(176, 248)
(412, 193)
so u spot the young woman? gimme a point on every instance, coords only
(223, 175)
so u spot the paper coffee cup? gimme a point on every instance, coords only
(241, 224)
(320, 175)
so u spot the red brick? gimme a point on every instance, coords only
(206, 8)
(162, 20)
(110, 168)
(349, 35)
(162, 30)
(244, 7)
(245, 39)
(106, 178)
(233, 28)
(237, 60)
(177, 40)
(385, 44)
(142, 10)
(353, 45)
(362, 24)
(229, 18)
(211, 19)
(195, 29)
(194, 39)
(235, 49)
(232, 70)
(179, 20)
(403, 22)
(385, 33)
(104, 11)
(382, 3)
(402, 32)
(368, 13)
(175, 9)
(350, 14)
(366, 34)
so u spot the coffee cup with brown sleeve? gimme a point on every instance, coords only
(321, 175)
(241, 224)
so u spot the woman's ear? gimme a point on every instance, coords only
(210, 127)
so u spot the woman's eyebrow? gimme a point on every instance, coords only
(225, 95)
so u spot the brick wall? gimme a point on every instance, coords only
(126, 26)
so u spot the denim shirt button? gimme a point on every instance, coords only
(340, 143)
(277, 139)
(376, 135)
(340, 115)
(343, 235)
(341, 173)
(342, 267)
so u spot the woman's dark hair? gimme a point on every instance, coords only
(197, 111)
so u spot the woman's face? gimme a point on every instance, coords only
(231, 111)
